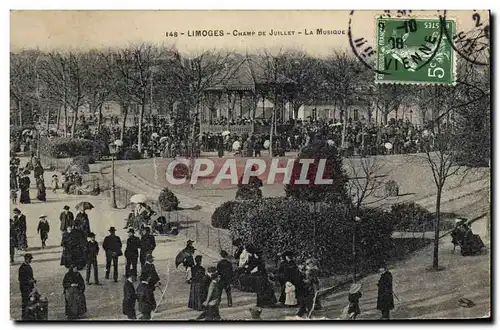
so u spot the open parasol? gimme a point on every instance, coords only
(155, 135)
(84, 206)
(388, 145)
(236, 145)
(267, 144)
(138, 198)
(181, 256)
(225, 133)
(26, 131)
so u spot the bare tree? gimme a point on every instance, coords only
(131, 73)
(366, 178)
(23, 82)
(442, 144)
(99, 86)
(389, 98)
(191, 77)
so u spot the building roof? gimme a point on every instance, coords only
(249, 75)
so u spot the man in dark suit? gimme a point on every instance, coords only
(385, 299)
(225, 269)
(129, 298)
(26, 282)
(91, 252)
(148, 244)
(148, 271)
(66, 218)
(113, 246)
(21, 226)
(132, 253)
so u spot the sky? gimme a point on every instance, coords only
(81, 30)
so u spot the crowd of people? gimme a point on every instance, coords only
(79, 251)
(160, 137)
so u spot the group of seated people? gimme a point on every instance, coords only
(142, 217)
(462, 235)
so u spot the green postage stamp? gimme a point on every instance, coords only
(415, 50)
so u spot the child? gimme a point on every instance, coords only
(290, 299)
(354, 296)
(13, 196)
(43, 229)
(55, 183)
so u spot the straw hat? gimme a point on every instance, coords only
(355, 288)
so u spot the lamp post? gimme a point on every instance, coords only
(354, 261)
(113, 150)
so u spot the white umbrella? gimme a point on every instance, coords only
(26, 131)
(225, 133)
(267, 144)
(155, 135)
(138, 198)
(236, 145)
(330, 143)
(388, 145)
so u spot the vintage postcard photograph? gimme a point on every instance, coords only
(311, 165)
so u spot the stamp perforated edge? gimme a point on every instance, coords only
(417, 83)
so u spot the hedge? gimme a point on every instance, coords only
(221, 218)
(67, 147)
(280, 224)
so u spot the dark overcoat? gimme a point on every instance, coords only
(385, 299)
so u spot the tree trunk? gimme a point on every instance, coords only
(75, 120)
(435, 259)
(141, 115)
(19, 107)
(385, 115)
(48, 119)
(125, 113)
(65, 119)
(58, 118)
(99, 117)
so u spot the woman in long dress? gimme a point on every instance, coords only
(24, 185)
(263, 288)
(74, 293)
(41, 194)
(197, 292)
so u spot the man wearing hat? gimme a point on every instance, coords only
(132, 253)
(20, 223)
(66, 218)
(129, 298)
(385, 298)
(147, 245)
(149, 272)
(43, 229)
(91, 252)
(225, 269)
(26, 282)
(113, 246)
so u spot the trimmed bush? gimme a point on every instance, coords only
(222, 214)
(67, 147)
(251, 190)
(131, 154)
(167, 200)
(411, 217)
(331, 193)
(82, 162)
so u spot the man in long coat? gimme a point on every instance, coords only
(148, 244)
(26, 282)
(146, 299)
(385, 299)
(132, 253)
(113, 246)
(21, 227)
(66, 218)
(129, 298)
